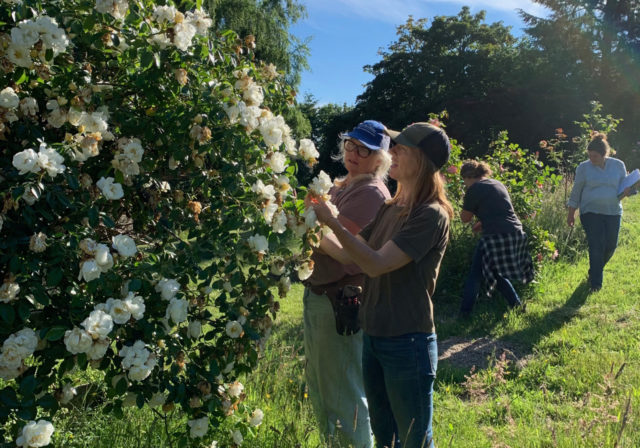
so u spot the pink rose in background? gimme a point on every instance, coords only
(452, 169)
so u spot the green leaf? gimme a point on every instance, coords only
(27, 413)
(56, 333)
(21, 76)
(15, 264)
(28, 385)
(146, 59)
(121, 386)
(108, 222)
(135, 284)
(93, 217)
(47, 401)
(9, 398)
(7, 313)
(54, 276)
(24, 311)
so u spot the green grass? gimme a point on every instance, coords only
(577, 383)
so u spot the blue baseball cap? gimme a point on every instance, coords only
(371, 134)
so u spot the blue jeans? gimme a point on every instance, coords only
(398, 379)
(474, 280)
(602, 238)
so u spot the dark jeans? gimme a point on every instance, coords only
(474, 280)
(602, 238)
(398, 380)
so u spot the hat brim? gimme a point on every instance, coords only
(361, 138)
(399, 139)
(391, 133)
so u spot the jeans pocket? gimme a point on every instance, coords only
(426, 348)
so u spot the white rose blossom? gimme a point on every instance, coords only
(67, 393)
(38, 242)
(89, 270)
(183, 35)
(29, 106)
(233, 329)
(237, 437)
(99, 324)
(277, 162)
(268, 192)
(177, 310)
(136, 305)
(133, 150)
(9, 99)
(125, 245)
(307, 150)
(119, 311)
(9, 291)
(259, 244)
(110, 189)
(279, 223)
(284, 284)
(235, 389)
(138, 360)
(50, 160)
(256, 417)
(116, 8)
(310, 218)
(200, 20)
(305, 270)
(321, 184)
(77, 341)
(168, 288)
(26, 161)
(164, 14)
(103, 258)
(269, 210)
(195, 329)
(198, 427)
(98, 349)
(35, 434)
(271, 132)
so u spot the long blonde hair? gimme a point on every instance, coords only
(428, 187)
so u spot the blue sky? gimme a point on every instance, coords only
(347, 34)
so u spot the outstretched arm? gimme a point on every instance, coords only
(353, 249)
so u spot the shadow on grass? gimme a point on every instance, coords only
(539, 327)
(464, 343)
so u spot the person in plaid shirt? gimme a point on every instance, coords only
(501, 255)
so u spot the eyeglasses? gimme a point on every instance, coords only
(363, 151)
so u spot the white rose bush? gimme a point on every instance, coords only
(149, 213)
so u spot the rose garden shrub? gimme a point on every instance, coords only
(147, 212)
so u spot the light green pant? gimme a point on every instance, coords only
(334, 377)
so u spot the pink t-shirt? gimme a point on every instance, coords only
(359, 202)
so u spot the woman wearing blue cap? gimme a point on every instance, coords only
(334, 361)
(400, 252)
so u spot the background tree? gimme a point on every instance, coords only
(593, 46)
(458, 63)
(269, 22)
